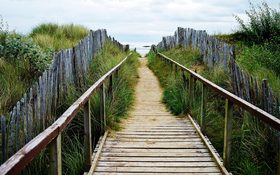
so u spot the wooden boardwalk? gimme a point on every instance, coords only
(153, 140)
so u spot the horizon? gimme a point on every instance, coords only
(137, 23)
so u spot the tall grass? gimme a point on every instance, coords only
(116, 108)
(24, 58)
(57, 37)
(252, 150)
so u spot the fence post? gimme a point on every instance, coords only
(203, 108)
(102, 108)
(191, 92)
(87, 135)
(227, 132)
(55, 156)
(3, 137)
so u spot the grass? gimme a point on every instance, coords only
(57, 37)
(117, 107)
(252, 151)
(24, 58)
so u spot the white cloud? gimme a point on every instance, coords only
(130, 21)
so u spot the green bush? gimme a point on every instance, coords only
(16, 47)
(263, 25)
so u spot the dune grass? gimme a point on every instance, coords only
(57, 37)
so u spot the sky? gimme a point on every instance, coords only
(134, 22)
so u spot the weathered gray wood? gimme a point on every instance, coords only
(191, 91)
(3, 138)
(103, 108)
(87, 135)
(227, 133)
(17, 133)
(203, 108)
(55, 156)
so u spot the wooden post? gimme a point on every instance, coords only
(102, 108)
(184, 78)
(87, 135)
(117, 73)
(190, 92)
(110, 88)
(55, 156)
(227, 132)
(203, 108)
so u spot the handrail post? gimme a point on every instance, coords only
(191, 92)
(184, 78)
(227, 132)
(110, 87)
(102, 108)
(55, 156)
(203, 108)
(87, 135)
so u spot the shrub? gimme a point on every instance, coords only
(16, 47)
(263, 25)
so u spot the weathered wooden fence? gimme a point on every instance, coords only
(36, 110)
(218, 53)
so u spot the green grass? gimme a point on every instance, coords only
(252, 151)
(57, 37)
(24, 58)
(117, 107)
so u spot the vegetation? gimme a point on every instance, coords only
(57, 37)
(24, 58)
(116, 108)
(257, 43)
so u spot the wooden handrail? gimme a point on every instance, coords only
(20, 159)
(256, 111)
(230, 99)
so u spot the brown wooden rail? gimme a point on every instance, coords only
(51, 137)
(230, 99)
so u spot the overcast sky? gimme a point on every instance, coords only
(135, 22)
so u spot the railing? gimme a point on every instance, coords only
(51, 137)
(230, 100)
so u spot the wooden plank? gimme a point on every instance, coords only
(97, 155)
(159, 136)
(153, 145)
(158, 169)
(125, 173)
(152, 150)
(158, 154)
(132, 139)
(156, 159)
(156, 164)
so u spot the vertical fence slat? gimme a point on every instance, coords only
(3, 137)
